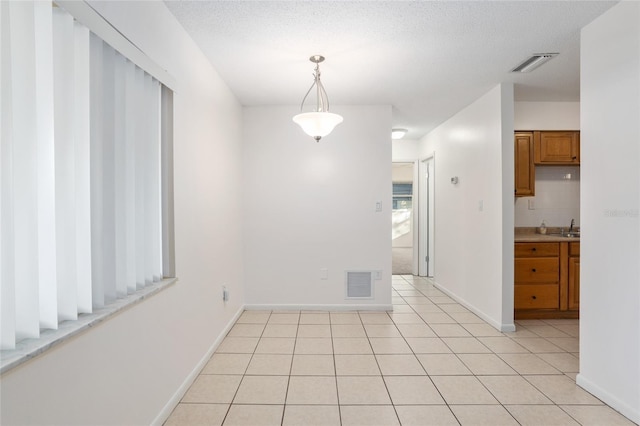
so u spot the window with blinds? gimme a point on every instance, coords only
(402, 195)
(83, 158)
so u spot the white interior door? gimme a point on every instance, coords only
(426, 250)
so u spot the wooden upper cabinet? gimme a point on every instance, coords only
(524, 171)
(560, 148)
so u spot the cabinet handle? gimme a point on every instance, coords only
(534, 297)
(533, 270)
(574, 158)
(533, 249)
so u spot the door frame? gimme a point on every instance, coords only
(427, 216)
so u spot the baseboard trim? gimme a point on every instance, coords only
(495, 324)
(296, 307)
(188, 381)
(612, 401)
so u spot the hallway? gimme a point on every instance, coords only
(429, 362)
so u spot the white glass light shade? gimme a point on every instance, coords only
(398, 133)
(317, 124)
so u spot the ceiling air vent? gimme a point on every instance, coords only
(359, 284)
(534, 62)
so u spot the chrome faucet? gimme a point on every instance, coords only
(573, 222)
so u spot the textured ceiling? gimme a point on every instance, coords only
(428, 59)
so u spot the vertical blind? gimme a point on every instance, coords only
(80, 172)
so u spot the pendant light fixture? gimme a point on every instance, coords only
(320, 122)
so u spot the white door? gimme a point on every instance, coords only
(426, 252)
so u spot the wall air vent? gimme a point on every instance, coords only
(359, 284)
(536, 60)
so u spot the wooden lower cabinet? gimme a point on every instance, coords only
(547, 280)
(574, 277)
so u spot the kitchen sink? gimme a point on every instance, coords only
(566, 234)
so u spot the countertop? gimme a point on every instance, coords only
(530, 235)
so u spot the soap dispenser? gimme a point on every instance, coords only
(543, 228)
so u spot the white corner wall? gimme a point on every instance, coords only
(610, 205)
(129, 369)
(310, 206)
(474, 218)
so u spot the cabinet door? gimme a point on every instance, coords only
(574, 283)
(524, 169)
(556, 147)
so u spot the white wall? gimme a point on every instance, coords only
(402, 172)
(474, 244)
(404, 149)
(610, 202)
(547, 116)
(125, 370)
(557, 199)
(311, 205)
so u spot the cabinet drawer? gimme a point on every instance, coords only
(537, 296)
(534, 270)
(537, 249)
(574, 249)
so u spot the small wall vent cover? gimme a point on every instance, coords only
(359, 284)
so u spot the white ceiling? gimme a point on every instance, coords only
(428, 59)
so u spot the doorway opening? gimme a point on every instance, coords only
(403, 220)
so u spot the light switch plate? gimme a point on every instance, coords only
(324, 273)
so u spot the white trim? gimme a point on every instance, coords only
(97, 24)
(166, 411)
(498, 326)
(632, 413)
(292, 307)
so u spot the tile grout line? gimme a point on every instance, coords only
(544, 335)
(235, 394)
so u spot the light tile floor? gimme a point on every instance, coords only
(429, 362)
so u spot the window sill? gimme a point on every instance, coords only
(30, 348)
